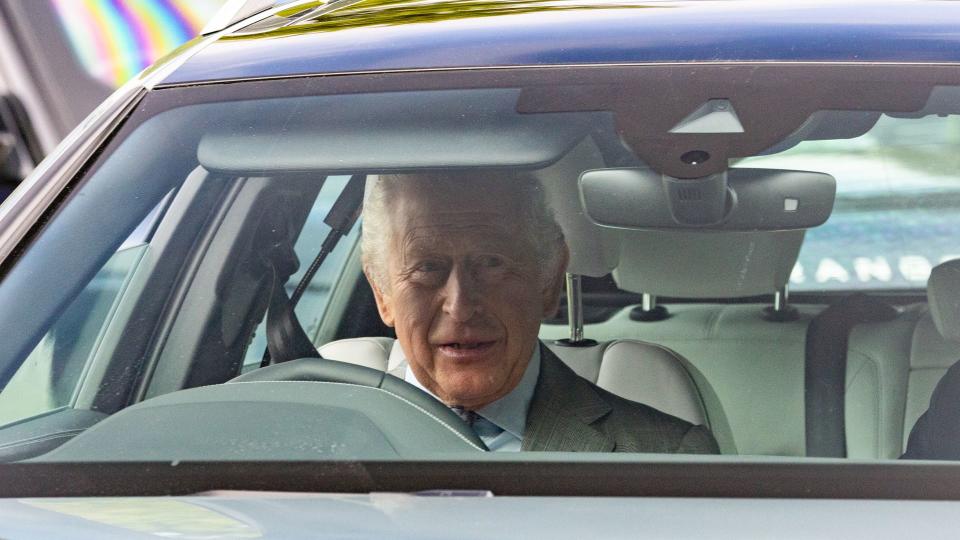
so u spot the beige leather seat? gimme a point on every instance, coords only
(749, 370)
(897, 364)
(640, 371)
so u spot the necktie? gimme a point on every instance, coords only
(481, 426)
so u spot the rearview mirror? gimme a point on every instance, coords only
(733, 200)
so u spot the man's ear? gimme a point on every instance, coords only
(551, 293)
(383, 300)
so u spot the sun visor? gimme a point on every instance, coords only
(943, 100)
(393, 132)
(828, 125)
(685, 264)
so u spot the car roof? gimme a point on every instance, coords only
(436, 34)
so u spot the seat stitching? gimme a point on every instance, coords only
(713, 323)
(414, 405)
(874, 364)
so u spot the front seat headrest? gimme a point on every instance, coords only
(943, 295)
(706, 264)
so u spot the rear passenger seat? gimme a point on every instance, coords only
(896, 366)
(749, 370)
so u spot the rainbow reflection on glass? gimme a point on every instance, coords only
(116, 39)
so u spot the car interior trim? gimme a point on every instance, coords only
(541, 473)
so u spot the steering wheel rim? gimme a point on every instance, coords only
(323, 370)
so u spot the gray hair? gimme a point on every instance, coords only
(539, 224)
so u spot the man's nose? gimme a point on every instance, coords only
(461, 295)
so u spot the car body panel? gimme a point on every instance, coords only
(538, 33)
(476, 515)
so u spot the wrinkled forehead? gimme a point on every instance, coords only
(419, 201)
(460, 233)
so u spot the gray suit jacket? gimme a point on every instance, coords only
(570, 414)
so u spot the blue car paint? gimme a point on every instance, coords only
(665, 32)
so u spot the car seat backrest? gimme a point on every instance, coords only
(943, 296)
(752, 369)
(749, 370)
(643, 372)
(936, 343)
(878, 376)
(654, 375)
(894, 366)
(371, 352)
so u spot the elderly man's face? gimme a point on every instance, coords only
(464, 290)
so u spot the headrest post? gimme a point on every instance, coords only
(781, 310)
(781, 299)
(649, 311)
(575, 307)
(575, 315)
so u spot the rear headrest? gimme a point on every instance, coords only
(704, 264)
(943, 296)
(593, 249)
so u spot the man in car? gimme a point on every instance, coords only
(464, 267)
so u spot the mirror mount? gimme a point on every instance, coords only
(700, 201)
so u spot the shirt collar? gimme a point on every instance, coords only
(510, 411)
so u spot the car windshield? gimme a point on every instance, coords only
(630, 261)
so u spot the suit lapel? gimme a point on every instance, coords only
(563, 411)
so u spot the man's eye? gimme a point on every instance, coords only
(429, 266)
(491, 261)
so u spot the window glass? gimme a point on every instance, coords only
(247, 172)
(49, 377)
(312, 305)
(897, 207)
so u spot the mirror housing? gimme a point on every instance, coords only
(744, 199)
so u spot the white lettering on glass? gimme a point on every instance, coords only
(796, 275)
(915, 267)
(831, 269)
(868, 268)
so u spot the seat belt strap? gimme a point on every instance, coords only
(825, 372)
(286, 338)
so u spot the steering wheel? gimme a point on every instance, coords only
(323, 370)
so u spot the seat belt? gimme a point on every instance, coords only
(825, 372)
(286, 338)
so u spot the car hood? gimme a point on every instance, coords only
(466, 515)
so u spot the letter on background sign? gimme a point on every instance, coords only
(831, 269)
(915, 267)
(868, 269)
(797, 275)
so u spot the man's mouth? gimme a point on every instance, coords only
(466, 349)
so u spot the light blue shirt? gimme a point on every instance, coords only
(502, 422)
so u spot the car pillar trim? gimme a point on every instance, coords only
(20, 212)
